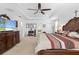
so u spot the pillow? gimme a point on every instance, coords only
(65, 33)
(73, 34)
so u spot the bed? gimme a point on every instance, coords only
(60, 44)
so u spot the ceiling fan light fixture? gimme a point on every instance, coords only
(40, 10)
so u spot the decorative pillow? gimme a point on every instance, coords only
(73, 34)
(65, 33)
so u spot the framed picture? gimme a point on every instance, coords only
(31, 25)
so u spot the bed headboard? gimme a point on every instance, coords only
(72, 25)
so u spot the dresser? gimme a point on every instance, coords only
(8, 39)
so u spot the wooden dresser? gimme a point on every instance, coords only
(8, 39)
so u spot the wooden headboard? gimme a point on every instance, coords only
(72, 25)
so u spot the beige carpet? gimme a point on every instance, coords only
(25, 47)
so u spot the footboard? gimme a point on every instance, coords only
(58, 52)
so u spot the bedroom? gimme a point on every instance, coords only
(31, 20)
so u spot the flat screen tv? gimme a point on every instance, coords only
(8, 25)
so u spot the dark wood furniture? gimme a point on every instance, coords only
(72, 25)
(8, 39)
(58, 52)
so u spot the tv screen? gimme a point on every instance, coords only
(8, 25)
(2, 25)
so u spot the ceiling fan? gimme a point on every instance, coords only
(40, 10)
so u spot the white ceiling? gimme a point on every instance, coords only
(59, 10)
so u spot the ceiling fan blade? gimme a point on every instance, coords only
(42, 12)
(39, 5)
(45, 9)
(35, 12)
(32, 9)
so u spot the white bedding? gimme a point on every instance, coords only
(43, 43)
(73, 34)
